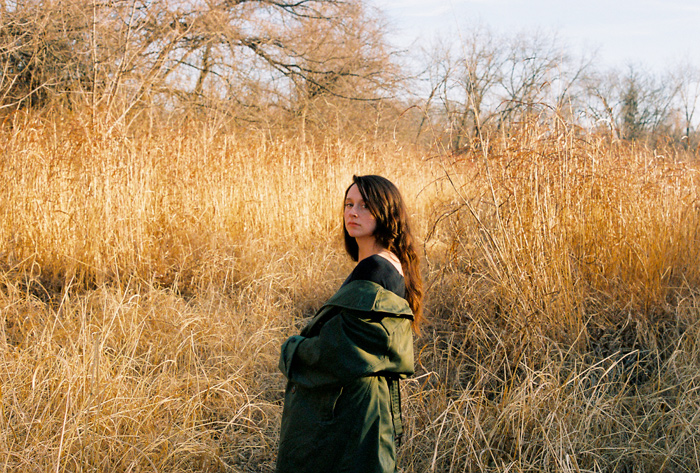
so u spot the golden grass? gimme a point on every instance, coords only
(148, 279)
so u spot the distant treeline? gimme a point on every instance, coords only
(323, 68)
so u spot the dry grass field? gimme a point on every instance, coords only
(148, 279)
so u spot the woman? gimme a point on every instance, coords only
(342, 410)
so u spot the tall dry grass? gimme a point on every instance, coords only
(148, 278)
(565, 309)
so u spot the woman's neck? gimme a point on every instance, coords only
(367, 247)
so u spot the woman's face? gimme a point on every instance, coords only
(359, 221)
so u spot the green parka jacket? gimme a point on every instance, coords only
(341, 405)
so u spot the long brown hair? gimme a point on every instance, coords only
(393, 232)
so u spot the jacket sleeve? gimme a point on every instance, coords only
(347, 347)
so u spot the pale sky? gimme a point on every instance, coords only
(654, 34)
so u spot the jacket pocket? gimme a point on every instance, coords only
(328, 402)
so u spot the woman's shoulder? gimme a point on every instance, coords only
(378, 269)
(373, 261)
(375, 264)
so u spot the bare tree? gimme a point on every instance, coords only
(529, 70)
(245, 54)
(349, 75)
(637, 105)
(44, 51)
(491, 81)
(481, 69)
(462, 78)
(688, 79)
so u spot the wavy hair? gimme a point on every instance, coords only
(392, 232)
